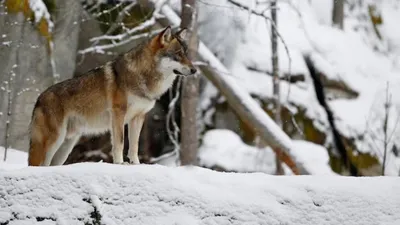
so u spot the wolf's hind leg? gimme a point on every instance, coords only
(63, 152)
(53, 146)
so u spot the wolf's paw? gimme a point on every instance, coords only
(135, 161)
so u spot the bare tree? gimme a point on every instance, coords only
(190, 89)
(338, 13)
(385, 129)
(275, 73)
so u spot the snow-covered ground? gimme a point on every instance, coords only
(154, 194)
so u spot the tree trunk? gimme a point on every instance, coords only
(275, 73)
(25, 65)
(190, 89)
(338, 13)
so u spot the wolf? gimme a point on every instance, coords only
(106, 98)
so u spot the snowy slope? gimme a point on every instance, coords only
(114, 194)
(348, 56)
(354, 57)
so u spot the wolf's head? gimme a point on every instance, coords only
(173, 52)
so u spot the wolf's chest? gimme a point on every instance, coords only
(161, 86)
(137, 105)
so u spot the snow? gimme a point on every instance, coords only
(154, 194)
(389, 29)
(315, 157)
(40, 11)
(224, 149)
(15, 159)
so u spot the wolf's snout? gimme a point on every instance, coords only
(185, 71)
(177, 72)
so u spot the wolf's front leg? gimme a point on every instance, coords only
(117, 135)
(134, 128)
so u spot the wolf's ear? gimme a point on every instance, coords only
(182, 33)
(165, 36)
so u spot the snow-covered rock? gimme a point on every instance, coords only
(224, 149)
(97, 193)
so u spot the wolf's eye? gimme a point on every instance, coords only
(175, 57)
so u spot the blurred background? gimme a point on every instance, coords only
(285, 87)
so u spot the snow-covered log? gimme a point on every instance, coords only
(97, 193)
(243, 104)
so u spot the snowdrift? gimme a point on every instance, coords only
(98, 193)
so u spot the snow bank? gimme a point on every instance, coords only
(97, 193)
(225, 149)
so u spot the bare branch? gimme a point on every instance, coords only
(126, 37)
(146, 24)
(102, 48)
(120, 18)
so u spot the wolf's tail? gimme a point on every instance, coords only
(36, 145)
(47, 130)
